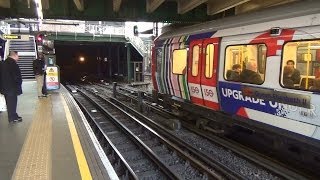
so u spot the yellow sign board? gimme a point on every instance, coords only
(11, 36)
(52, 78)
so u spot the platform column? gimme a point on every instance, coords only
(129, 61)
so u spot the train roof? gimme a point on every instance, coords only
(297, 9)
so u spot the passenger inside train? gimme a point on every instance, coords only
(237, 57)
(287, 77)
(250, 75)
(304, 58)
(234, 74)
(295, 76)
(316, 85)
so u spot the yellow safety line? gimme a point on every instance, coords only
(81, 159)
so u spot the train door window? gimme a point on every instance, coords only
(195, 60)
(245, 63)
(209, 60)
(301, 65)
(179, 61)
(159, 59)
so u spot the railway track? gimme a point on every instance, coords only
(144, 154)
(207, 144)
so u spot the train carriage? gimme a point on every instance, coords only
(192, 64)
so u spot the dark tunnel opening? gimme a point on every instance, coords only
(94, 60)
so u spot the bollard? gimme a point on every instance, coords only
(140, 96)
(115, 89)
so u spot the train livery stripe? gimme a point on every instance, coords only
(180, 77)
(165, 70)
(174, 77)
(183, 82)
(168, 82)
(274, 48)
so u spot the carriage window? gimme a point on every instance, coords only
(195, 60)
(179, 61)
(301, 65)
(246, 63)
(209, 60)
(159, 59)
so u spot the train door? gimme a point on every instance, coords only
(209, 65)
(194, 72)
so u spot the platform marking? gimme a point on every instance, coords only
(105, 161)
(35, 161)
(81, 159)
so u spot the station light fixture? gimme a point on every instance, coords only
(81, 59)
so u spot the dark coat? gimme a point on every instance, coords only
(295, 77)
(11, 79)
(249, 76)
(287, 82)
(38, 67)
(232, 75)
(1, 76)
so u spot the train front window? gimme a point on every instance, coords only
(195, 60)
(301, 65)
(209, 60)
(245, 63)
(179, 61)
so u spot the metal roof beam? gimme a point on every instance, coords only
(185, 6)
(152, 5)
(45, 4)
(217, 6)
(79, 4)
(258, 4)
(116, 5)
(5, 3)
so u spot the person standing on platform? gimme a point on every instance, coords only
(11, 82)
(2, 100)
(38, 70)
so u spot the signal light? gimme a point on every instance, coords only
(40, 37)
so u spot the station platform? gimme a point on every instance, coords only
(53, 141)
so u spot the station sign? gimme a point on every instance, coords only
(15, 37)
(52, 78)
(11, 36)
(40, 49)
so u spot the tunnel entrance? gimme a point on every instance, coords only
(94, 61)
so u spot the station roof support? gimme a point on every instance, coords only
(45, 4)
(152, 5)
(79, 4)
(217, 6)
(116, 5)
(258, 4)
(186, 6)
(5, 3)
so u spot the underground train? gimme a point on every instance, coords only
(193, 65)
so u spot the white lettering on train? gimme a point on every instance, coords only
(235, 94)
